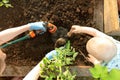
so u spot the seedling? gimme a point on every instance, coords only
(5, 3)
(57, 67)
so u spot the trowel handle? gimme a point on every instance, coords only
(34, 73)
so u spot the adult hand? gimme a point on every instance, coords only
(51, 54)
(2, 62)
(38, 26)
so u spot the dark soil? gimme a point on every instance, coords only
(62, 13)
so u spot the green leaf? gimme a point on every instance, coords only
(8, 5)
(99, 72)
(67, 75)
(67, 46)
(1, 4)
(114, 74)
(75, 55)
(53, 68)
(58, 50)
(68, 61)
(5, 1)
(70, 53)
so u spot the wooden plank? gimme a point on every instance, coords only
(23, 70)
(98, 14)
(111, 19)
(16, 70)
(80, 70)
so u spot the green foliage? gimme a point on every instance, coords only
(5, 3)
(101, 72)
(114, 74)
(57, 67)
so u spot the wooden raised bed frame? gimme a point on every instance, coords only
(106, 19)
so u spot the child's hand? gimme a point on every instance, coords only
(74, 29)
(93, 59)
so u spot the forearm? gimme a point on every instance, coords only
(94, 32)
(87, 30)
(91, 31)
(10, 33)
(34, 73)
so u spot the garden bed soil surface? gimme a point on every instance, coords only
(62, 13)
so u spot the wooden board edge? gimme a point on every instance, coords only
(23, 70)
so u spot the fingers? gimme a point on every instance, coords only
(93, 59)
(37, 26)
(2, 66)
(2, 55)
(70, 32)
(74, 29)
(51, 54)
(83, 29)
(2, 62)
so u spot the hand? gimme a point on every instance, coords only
(74, 29)
(2, 62)
(38, 26)
(51, 54)
(93, 59)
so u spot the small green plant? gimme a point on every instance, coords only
(57, 67)
(5, 3)
(101, 73)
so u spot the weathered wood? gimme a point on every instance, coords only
(111, 18)
(98, 14)
(12, 70)
(23, 70)
(80, 70)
